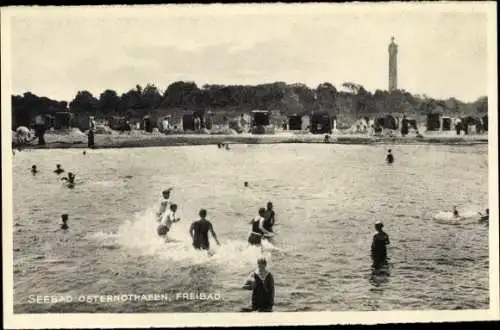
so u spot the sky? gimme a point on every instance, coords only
(57, 52)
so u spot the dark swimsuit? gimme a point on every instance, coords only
(263, 293)
(200, 237)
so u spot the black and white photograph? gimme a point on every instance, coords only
(305, 161)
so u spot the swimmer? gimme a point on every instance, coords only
(270, 219)
(84, 152)
(199, 232)
(485, 217)
(261, 282)
(164, 203)
(257, 229)
(167, 220)
(64, 225)
(34, 170)
(390, 157)
(455, 212)
(245, 183)
(58, 169)
(379, 246)
(70, 179)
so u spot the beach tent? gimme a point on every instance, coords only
(321, 122)
(433, 121)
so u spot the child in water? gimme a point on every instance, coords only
(64, 225)
(164, 203)
(167, 220)
(261, 282)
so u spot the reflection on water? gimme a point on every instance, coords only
(327, 198)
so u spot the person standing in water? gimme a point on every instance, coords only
(64, 225)
(167, 220)
(455, 212)
(199, 232)
(164, 204)
(257, 230)
(379, 246)
(58, 169)
(390, 157)
(269, 219)
(34, 170)
(261, 282)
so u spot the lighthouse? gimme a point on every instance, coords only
(393, 66)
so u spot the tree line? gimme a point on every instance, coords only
(350, 100)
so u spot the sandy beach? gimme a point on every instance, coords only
(141, 139)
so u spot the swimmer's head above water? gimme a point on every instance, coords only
(166, 193)
(64, 218)
(262, 211)
(245, 183)
(58, 166)
(379, 225)
(173, 207)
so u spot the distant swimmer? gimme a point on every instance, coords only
(227, 146)
(167, 220)
(64, 225)
(199, 232)
(261, 282)
(70, 179)
(164, 203)
(455, 212)
(245, 183)
(257, 229)
(34, 170)
(84, 152)
(58, 169)
(379, 246)
(390, 157)
(484, 217)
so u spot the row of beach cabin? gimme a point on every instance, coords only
(316, 123)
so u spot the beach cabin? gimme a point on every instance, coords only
(387, 122)
(260, 118)
(321, 123)
(433, 121)
(445, 123)
(485, 123)
(295, 122)
(118, 123)
(147, 123)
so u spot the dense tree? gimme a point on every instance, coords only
(350, 102)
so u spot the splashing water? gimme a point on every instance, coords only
(139, 236)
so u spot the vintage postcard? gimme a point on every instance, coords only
(228, 165)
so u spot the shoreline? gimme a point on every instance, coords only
(143, 141)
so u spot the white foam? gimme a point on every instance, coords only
(139, 235)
